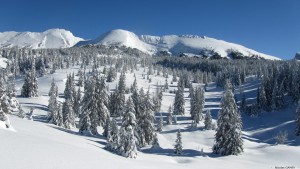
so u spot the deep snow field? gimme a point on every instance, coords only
(39, 145)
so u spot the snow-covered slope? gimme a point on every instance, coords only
(121, 38)
(172, 43)
(38, 144)
(52, 38)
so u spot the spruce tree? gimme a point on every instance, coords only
(135, 99)
(77, 103)
(170, 115)
(53, 104)
(4, 100)
(53, 88)
(197, 105)
(145, 127)
(113, 136)
(262, 103)
(127, 145)
(84, 123)
(208, 120)
(228, 136)
(179, 102)
(243, 103)
(160, 123)
(30, 86)
(68, 114)
(155, 143)
(101, 99)
(89, 117)
(166, 86)
(33, 82)
(106, 127)
(178, 144)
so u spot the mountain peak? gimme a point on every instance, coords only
(52, 38)
(174, 44)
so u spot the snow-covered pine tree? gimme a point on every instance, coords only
(68, 114)
(179, 102)
(101, 96)
(191, 91)
(145, 123)
(60, 120)
(33, 81)
(42, 67)
(68, 91)
(53, 88)
(228, 136)
(12, 88)
(127, 145)
(90, 108)
(135, 98)
(208, 120)
(274, 96)
(166, 86)
(21, 113)
(178, 144)
(113, 136)
(243, 103)
(160, 123)
(111, 76)
(106, 127)
(53, 104)
(26, 88)
(170, 115)
(77, 103)
(175, 119)
(4, 100)
(80, 78)
(104, 92)
(197, 105)
(155, 143)
(262, 103)
(128, 116)
(118, 97)
(174, 79)
(30, 86)
(280, 96)
(157, 98)
(298, 120)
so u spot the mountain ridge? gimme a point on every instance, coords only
(178, 45)
(52, 38)
(175, 44)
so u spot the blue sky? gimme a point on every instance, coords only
(268, 26)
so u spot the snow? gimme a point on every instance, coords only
(52, 38)
(3, 62)
(60, 38)
(172, 43)
(122, 37)
(37, 144)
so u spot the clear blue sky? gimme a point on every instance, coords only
(268, 26)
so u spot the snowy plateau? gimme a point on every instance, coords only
(263, 94)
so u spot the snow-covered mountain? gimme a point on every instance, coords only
(52, 38)
(174, 44)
